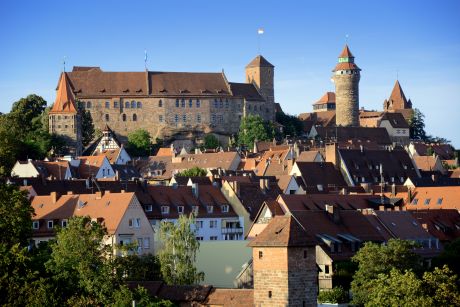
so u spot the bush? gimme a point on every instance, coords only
(336, 295)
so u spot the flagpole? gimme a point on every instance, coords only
(260, 31)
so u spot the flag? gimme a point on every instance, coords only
(260, 31)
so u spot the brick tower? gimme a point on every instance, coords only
(260, 72)
(64, 119)
(346, 78)
(284, 265)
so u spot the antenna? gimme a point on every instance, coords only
(63, 63)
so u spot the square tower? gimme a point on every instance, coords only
(260, 72)
(284, 265)
(64, 119)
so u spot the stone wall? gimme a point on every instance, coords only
(283, 277)
(347, 99)
(68, 126)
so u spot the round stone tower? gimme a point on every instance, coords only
(346, 78)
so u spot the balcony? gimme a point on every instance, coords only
(236, 230)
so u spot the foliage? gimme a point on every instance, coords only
(88, 133)
(292, 124)
(441, 286)
(450, 256)
(253, 128)
(336, 295)
(396, 289)
(139, 143)
(429, 151)
(374, 259)
(10, 146)
(134, 267)
(210, 141)
(343, 273)
(192, 172)
(177, 257)
(25, 115)
(417, 125)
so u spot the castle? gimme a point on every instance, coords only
(169, 105)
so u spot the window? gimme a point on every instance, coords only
(427, 201)
(107, 104)
(224, 208)
(210, 209)
(164, 210)
(213, 238)
(180, 209)
(198, 103)
(182, 103)
(140, 243)
(216, 103)
(130, 223)
(133, 104)
(160, 118)
(134, 117)
(137, 223)
(64, 223)
(107, 117)
(115, 104)
(146, 243)
(123, 117)
(326, 269)
(190, 103)
(305, 253)
(139, 104)
(184, 118)
(199, 224)
(127, 104)
(439, 201)
(415, 201)
(221, 104)
(50, 224)
(199, 238)
(195, 209)
(269, 294)
(35, 224)
(226, 103)
(177, 103)
(148, 208)
(88, 104)
(261, 254)
(160, 103)
(198, 118)
(212, 224)
(213, 118)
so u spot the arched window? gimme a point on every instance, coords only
(88, 104)
(123, 117)
(134, 117)
(107, 117)
(190, 103)
(182, 103)
(133, 104)
(177, 103)
(198, 103)
(160, 103)
(139, 104)
(127, 105)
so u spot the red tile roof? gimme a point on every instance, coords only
(346, 53)
(442, 197)
(329, 97)
(65, 100)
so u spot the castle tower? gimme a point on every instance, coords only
(346, 78)
(397, 100)
(261, 73)
(284, 265)
(64, 119)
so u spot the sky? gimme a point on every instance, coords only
(417, 42)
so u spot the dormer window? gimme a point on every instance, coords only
(225, 208)
(439, 202)
(35, 224)
(427, 201)
(50, 224)
(210, 209)
(148, 208)
(415, 201)
(164, 209)
(64, 223)
(180, 209)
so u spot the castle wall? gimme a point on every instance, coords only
(68, 126)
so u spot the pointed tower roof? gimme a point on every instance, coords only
(65, 101)
(260, 61)
(346, 53)
(397, 95)
(283, 231)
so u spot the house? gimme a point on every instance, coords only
(444, 151)
(344, 134)
(434, 197)
(310, 156)
(429, 163)
(215, 218)
(58, 170)
(324, 119)
(95, 167)
(326, 103)
(370, 166)
(120, 213)
(394, 122)
(318, 176)
(275, 163)
(290, 184)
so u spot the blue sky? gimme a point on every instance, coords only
(418, 39)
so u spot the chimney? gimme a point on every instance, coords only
(54, 197)
(332, 154)
(98, 195)
(396, 208)
(393, 189)
(236, 188)
(69, 192)
(334, 213)
(381, 208)
(122, 191)
(195, 190)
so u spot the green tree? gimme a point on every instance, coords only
(417, 126)
(336, 295)
(192, 172)
(253, 128)
(396, 289)
(139, 143)
(10, 146)
(292, 124)
(210, 141)
(87, 128)
(81, 265)
(178, 255)
(25, 115)
(374, 259)
(450, 256)
(441, 285)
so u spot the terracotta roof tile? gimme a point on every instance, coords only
(425, 198)
(65, 100)
(346, 53)
(246, 91)
(308, 156)
(329, 97)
